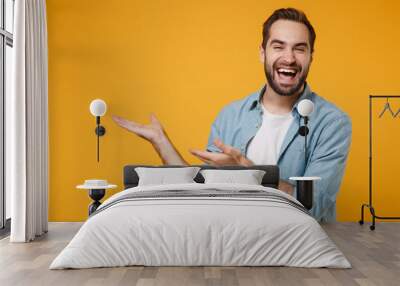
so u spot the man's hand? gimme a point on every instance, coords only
(156, 135)
(229, 156)
(153, 132)
(286, 187)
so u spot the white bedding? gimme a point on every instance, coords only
(184, 231)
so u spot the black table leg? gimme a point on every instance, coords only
(305, 193)
(96, 195)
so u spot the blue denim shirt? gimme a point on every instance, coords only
(328, 144)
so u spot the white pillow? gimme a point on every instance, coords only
(162, 176)
(249, 177)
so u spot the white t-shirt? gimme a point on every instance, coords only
(266, 144)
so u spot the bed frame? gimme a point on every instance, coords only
(270, 179)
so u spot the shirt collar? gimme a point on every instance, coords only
(255, 102)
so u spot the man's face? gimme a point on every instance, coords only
(287, 57)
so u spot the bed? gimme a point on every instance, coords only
(201, 224)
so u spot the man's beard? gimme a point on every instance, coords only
(275, 86)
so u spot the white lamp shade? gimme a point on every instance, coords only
(305, 107)
(98, 107)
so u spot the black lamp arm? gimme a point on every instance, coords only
(100, 131)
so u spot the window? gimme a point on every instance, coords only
(6, 59)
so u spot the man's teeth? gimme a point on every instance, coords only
(291, 71)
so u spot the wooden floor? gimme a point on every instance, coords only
(375, 256)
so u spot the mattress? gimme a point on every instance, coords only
(201, 225)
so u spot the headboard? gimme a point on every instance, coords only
(270, 179)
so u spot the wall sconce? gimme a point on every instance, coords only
(305, 108)
(98, 108)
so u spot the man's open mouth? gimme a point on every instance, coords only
(287, 75)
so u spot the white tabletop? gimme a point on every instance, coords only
(88, 187)
(304, 178)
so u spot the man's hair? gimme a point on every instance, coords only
(290, 14)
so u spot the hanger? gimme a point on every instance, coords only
(387, 107)
(397, 113)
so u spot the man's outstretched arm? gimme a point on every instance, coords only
(156, 135)
(229, 155)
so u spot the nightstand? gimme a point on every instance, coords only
(97, 190)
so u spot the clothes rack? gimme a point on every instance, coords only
(369, 205)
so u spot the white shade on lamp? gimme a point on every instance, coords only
(98, 107)
(305, 107)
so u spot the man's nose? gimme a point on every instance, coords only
(289, 57)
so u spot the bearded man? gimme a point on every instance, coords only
(262, 128)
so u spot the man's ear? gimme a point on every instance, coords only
(262, 54)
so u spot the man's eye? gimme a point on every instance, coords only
(300, 49)
(277, 48)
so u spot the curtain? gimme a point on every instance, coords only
(27, 124)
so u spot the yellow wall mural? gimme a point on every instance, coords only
(184, 60)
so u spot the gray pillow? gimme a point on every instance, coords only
(248, 177)
(162, 176)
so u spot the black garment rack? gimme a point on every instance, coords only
(369, 205)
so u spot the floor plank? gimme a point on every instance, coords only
(374, 255)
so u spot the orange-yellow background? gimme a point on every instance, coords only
(184, 60)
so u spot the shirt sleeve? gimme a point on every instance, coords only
(216, 132)
(328, 161)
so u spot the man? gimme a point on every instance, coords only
(263, 127)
